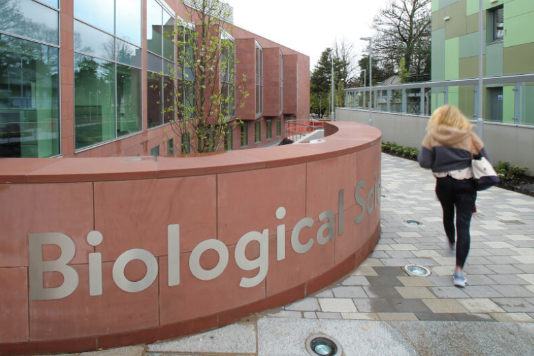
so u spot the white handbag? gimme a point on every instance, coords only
(484, 174)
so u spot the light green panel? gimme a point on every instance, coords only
(469, 45)
(472, 7)
(517, 8)
(452, 59)
(529, 113)
(456, 26)
(446, 3)
(435, 5)
(519, 59)
(438, 55)
(519, 30)
(454, 95)
(469, 67)
(467, 101)
(508, 104)
(494, 60)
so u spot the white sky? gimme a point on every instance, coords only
(308, 26)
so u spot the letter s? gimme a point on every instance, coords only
(361, 201)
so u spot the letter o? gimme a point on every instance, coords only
(194, 260)
(151, 270)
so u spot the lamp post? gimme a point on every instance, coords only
(332, 76)
(364, 83)
(370, 39)
(480, 122)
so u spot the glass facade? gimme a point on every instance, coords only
(279, 127)
(228, 79)
(29, 79)
(107, 71)
(257, 132)
(269, 129)
(229, 138)
(170, 147)
(259, 81)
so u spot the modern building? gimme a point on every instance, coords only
(76, 80)
(508, 49)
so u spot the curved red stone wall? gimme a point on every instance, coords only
(135, 203)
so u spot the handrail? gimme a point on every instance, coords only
(296, 129)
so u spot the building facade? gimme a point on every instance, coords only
(77, 79)
(508, 49)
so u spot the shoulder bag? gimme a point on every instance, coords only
(484, 174)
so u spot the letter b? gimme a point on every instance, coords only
(38, 266)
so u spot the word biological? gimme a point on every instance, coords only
(68, 249)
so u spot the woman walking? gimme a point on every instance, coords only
(448, 149)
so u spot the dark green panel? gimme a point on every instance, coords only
(438, 55)
(469, 67)
(467, 101)
(456, 26)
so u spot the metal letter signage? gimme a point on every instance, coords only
(325, 233)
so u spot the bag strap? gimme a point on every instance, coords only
(472, 145)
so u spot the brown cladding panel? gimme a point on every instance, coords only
(290, 84)
(271, 81)
(246, 65)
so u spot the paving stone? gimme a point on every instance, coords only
(502, 260)
(286, 314)
(481, 292)
(441, 280)
(325, 294)
(308, 304)
(356, 281)
(504, 279)
(442, 270)
(360, 316)
(310, 315)
(474, 317)
(349, 292)
(414, 292)
(480, 280)
(448, 306)
(381, 305)
(512, 317)
(337, 305)
(122, 351)
(426, 254)
(413, 281)
(390, 271)
(381, 292)
(435, 317)
(526, 268)
(364, 271)
(480, 305)
(321, 315)
(371, 262)
(477, 269)
(514, 305)
(380, 254)
(398, 262)
(386, 281)
(448, 292)
(404, 247)
(504, 269)
(524, 259)
(399, 254)
(397, 317)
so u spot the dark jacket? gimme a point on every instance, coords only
(447, 148)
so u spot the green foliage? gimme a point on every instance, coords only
(392, 147)
(506, 171)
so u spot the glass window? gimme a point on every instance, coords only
(92, 41)
(129, 20)
(168, 102)
(154, 107)
(186, 143)
(257, 135)
(228, 138)
(170, 147)
(259, 81)
(154, 63)
(53, 3)
(99, 13)
(154, 151)
(128, 54)
(153, 27)
(29, 99)
(94, 100)
(269, 129)
(279, 127)
(168, 37)
(498, 24)
(129, 114)
(30, 19)
(244, 134)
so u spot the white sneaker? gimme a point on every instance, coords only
(459, 279)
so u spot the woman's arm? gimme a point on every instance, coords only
(426, 154)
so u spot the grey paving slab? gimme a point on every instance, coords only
(513, 291)
(235, 338)
(123, 351)
(448, 292)
(514, 305)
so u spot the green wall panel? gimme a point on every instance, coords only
(469, 45)
(452, 59)
(488, 4)
(472, 7)
(508, 104)
(467, 101)
(456, 26)
(519, 30)
(446, 3)
(469, 67)
(494, 58)
(529, 117)
(454, 96)
(438, 55)
(435, 5)
(437, 20)
(517, 8)
(519, 59)
(472, 23)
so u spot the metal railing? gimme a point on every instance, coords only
(296, 129)
(509, 99)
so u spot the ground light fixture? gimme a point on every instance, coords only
(322, 345)
(417, 270)
(413, 223)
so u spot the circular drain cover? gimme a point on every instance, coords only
(383, 196)
(413, 223)
(417, 270)
(323, 346)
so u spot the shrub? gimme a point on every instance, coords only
(516, 170)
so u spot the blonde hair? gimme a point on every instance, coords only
(449, 115)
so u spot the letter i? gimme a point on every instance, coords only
(281, 235)
(95, 238)
(173, 237)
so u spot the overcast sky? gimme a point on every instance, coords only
(308, 26)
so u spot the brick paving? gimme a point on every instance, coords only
(499, 269)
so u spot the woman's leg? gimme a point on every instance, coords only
(446, 198)
(465, 202)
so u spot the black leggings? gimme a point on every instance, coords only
(462, 194)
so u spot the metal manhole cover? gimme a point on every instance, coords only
(323, 345)
(413, 223)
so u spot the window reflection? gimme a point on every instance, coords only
(128, 54)
(29, 99)
(92, 41)
(129, 113)
(129, 20)
(154, 27)
(29, 19)
(99, 13)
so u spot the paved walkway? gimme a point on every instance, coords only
(381, 310)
